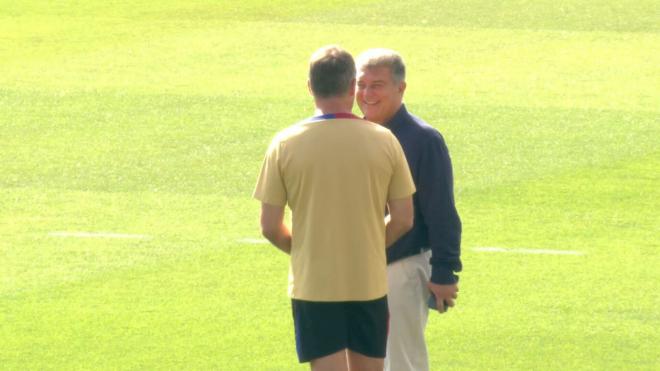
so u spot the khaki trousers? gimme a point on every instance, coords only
(407, 299)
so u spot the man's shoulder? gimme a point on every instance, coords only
(378, 128)
(291, 131)
(366, 127)
(423, 129)
(302, 128)
(420, 124)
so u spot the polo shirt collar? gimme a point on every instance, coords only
(398, 119)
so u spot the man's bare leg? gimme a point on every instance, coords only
(333, 362)
(360, 362)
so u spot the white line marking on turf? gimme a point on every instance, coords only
(528, 251)
(99, 235)
(253, 240)
(479, 249)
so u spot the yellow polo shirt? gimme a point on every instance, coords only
(336, 174)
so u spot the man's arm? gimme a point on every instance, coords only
(436, 199)
(400, 219)
(273, 228)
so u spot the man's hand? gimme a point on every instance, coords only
(445, 295)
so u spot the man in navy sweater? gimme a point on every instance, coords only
(423, 263)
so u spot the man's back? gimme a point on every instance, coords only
(338, 174)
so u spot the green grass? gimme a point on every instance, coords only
(152, 118)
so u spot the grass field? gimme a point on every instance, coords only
(150, 119)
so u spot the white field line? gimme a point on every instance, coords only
(256, 241)
(528, 251)
(478, 249)
(99, 235)
(253, 241)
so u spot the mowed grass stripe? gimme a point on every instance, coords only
(207, 145)
(172, 10)
(179, 313)
(580, 15)
(470, 66)
(503, 146)
(495, 249)
(180, 225)
(608, 210)
(524, 309)
(567, 15)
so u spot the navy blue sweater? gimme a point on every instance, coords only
(437, 225)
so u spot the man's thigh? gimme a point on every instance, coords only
(361, 362)
(333, 362)
(408, 294)
(407, 282)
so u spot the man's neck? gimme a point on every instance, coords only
(326, 106)
(389, 119)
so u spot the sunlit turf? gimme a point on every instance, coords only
(152, 118)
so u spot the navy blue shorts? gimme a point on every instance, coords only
(324, 328)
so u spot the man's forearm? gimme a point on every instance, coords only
(445, 242)
(400, 219)
(394, 229)
(273, 228)
(280, 238)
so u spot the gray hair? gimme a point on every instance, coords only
(381, 57)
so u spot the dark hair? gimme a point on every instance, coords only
(331, 71)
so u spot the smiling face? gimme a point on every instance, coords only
(378, 95)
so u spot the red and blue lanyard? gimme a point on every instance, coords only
(331, 116)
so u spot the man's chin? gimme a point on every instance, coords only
(370, 115)
(373, 119)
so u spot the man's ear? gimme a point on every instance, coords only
(402, 87)
(351, 90)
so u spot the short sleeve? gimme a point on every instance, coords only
(270, 187)
(401, 184)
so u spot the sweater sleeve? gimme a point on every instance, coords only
(435, 189)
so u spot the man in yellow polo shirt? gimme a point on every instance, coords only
(337, 173)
